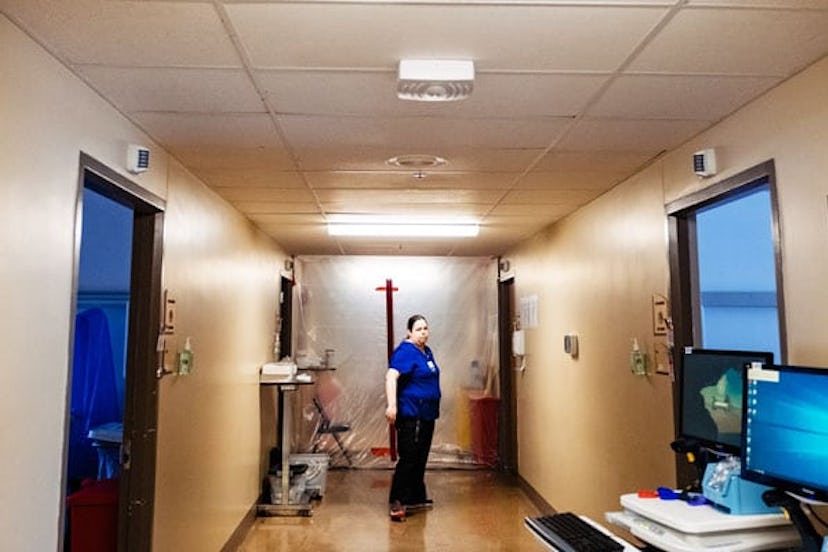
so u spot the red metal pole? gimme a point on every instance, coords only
(389, 315)
(389, 330)
(389, 321)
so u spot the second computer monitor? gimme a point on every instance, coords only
(711, 396)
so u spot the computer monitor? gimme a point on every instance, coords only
(785, 430)
(710, 396)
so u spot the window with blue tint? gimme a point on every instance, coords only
(737, 293)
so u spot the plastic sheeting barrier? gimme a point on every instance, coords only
(339, 308)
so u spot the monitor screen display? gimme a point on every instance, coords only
(786, 430)
(710, 394)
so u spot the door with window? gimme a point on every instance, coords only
(725, 268)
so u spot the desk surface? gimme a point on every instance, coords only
(683, 517)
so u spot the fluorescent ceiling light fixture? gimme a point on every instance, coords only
(406, 229)
(435, 80)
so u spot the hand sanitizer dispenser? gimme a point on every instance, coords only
(638, 361)
(185, 359)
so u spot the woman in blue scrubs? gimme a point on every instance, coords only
(412, 388)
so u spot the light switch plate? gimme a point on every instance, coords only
(660, 315)
(169, 313)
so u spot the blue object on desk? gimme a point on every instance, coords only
(723, 486)
(693, 499)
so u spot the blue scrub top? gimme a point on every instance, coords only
(418, 388)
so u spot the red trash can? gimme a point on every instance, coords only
(93, 517)
(483, 412)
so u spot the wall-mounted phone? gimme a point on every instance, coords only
(519, 348)
(518, 343)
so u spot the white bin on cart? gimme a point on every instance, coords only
(316, 473)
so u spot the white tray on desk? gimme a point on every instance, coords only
(679, 515)
(776, 537)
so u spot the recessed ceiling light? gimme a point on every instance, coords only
(416, 161)
(435, 80)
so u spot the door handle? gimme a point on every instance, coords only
(126, 449)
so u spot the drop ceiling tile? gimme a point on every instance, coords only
(130, 33)
(738, 41)
(406, 196)
(272, 220)
(405, 179)
(523, 210)
(585, 161)
(459, 157)
(267, 207)
(331, 92)
(521, 95)
(456, 210)
(647, 137)
(255, 177)
(418, 134)
(546, 197)
(244, 194)
(209, 130)
(177, 90)
(520, 221)
(231, 158)
(491, 160)
(597, 180)
(378, 35)
(707, 98)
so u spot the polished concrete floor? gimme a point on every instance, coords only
(474, 510)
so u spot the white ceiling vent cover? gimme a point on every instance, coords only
(430, 80)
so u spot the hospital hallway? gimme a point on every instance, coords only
(474, 510)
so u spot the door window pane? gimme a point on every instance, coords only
(737, 274)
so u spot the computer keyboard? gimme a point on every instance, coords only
(569, 533)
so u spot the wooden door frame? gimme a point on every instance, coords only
(507, 426)
(137, 479)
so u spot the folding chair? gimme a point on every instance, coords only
(326, 427)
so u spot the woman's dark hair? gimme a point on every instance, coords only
(413, 320)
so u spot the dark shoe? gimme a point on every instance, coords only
(397, 511)
(425, 505)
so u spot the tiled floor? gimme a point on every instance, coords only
(474, 510)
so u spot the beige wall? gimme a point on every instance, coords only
(223, 273)
(589, 430)
(790, 126)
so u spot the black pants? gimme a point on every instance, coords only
(413, 445)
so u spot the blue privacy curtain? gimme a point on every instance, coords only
(94, 390)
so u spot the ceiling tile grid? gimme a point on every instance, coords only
(288, 109)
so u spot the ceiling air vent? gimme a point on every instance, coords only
(428, 80)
